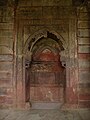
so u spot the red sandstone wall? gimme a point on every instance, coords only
(6, 55)
(47, 78)
(74, 29)
(83, 35)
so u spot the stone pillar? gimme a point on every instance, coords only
(71, 65)
(20, 81)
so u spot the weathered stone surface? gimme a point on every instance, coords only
(83, 24)
(71, 23)
(4, 50)
(33, 13)
(33, 29)
(84, 64)
(6, 66)
(83, 9)
(84, 76)
(3, 91)
(6, 41)
(83, 40)
(8, 14)
(84, 104)
(6, 33)
(0, 12)
(6, 58)
(6, 93)
(45, 12)
(79, 114)
(84, 114)
(5, 75)
(84, 85)
(5, 83)
(84, 56)
(3, 2)
(84, 33)
(5, 100)
(56, 12)
(47, 22)
(83, 16)
(6, 26)
(84, 49)
(0, 18)
(45, 3)
(84, 91)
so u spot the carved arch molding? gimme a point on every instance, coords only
(46, 33)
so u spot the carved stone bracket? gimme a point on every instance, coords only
(64, 57)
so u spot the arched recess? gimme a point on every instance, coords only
(46, 33)
(44, 42)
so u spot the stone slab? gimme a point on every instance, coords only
(46, 105)
(6, 50)
(6, 57)
(84, 64)
(84, 41)
(84, 49)
(84, 33)
(84, 104)
(32, 13)
(84, 76)
(3, 114)
(6, 33)
(85, 92)
(44, 115)
(45, 3)
(83, 24)
(6, 26)
(5, 75)
(83, 9)
(5, 83)
(83, 16)
(85, 114)
(85, 96)
(6, 40)
(84, 56)
(6, 66)
(84, 85)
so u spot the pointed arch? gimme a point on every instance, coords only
(44, 33)
(47, 47)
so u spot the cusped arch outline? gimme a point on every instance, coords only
(53, 50)
(44, 33)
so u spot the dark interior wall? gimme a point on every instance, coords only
(72, 23)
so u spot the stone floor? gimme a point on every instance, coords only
(45, 115)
